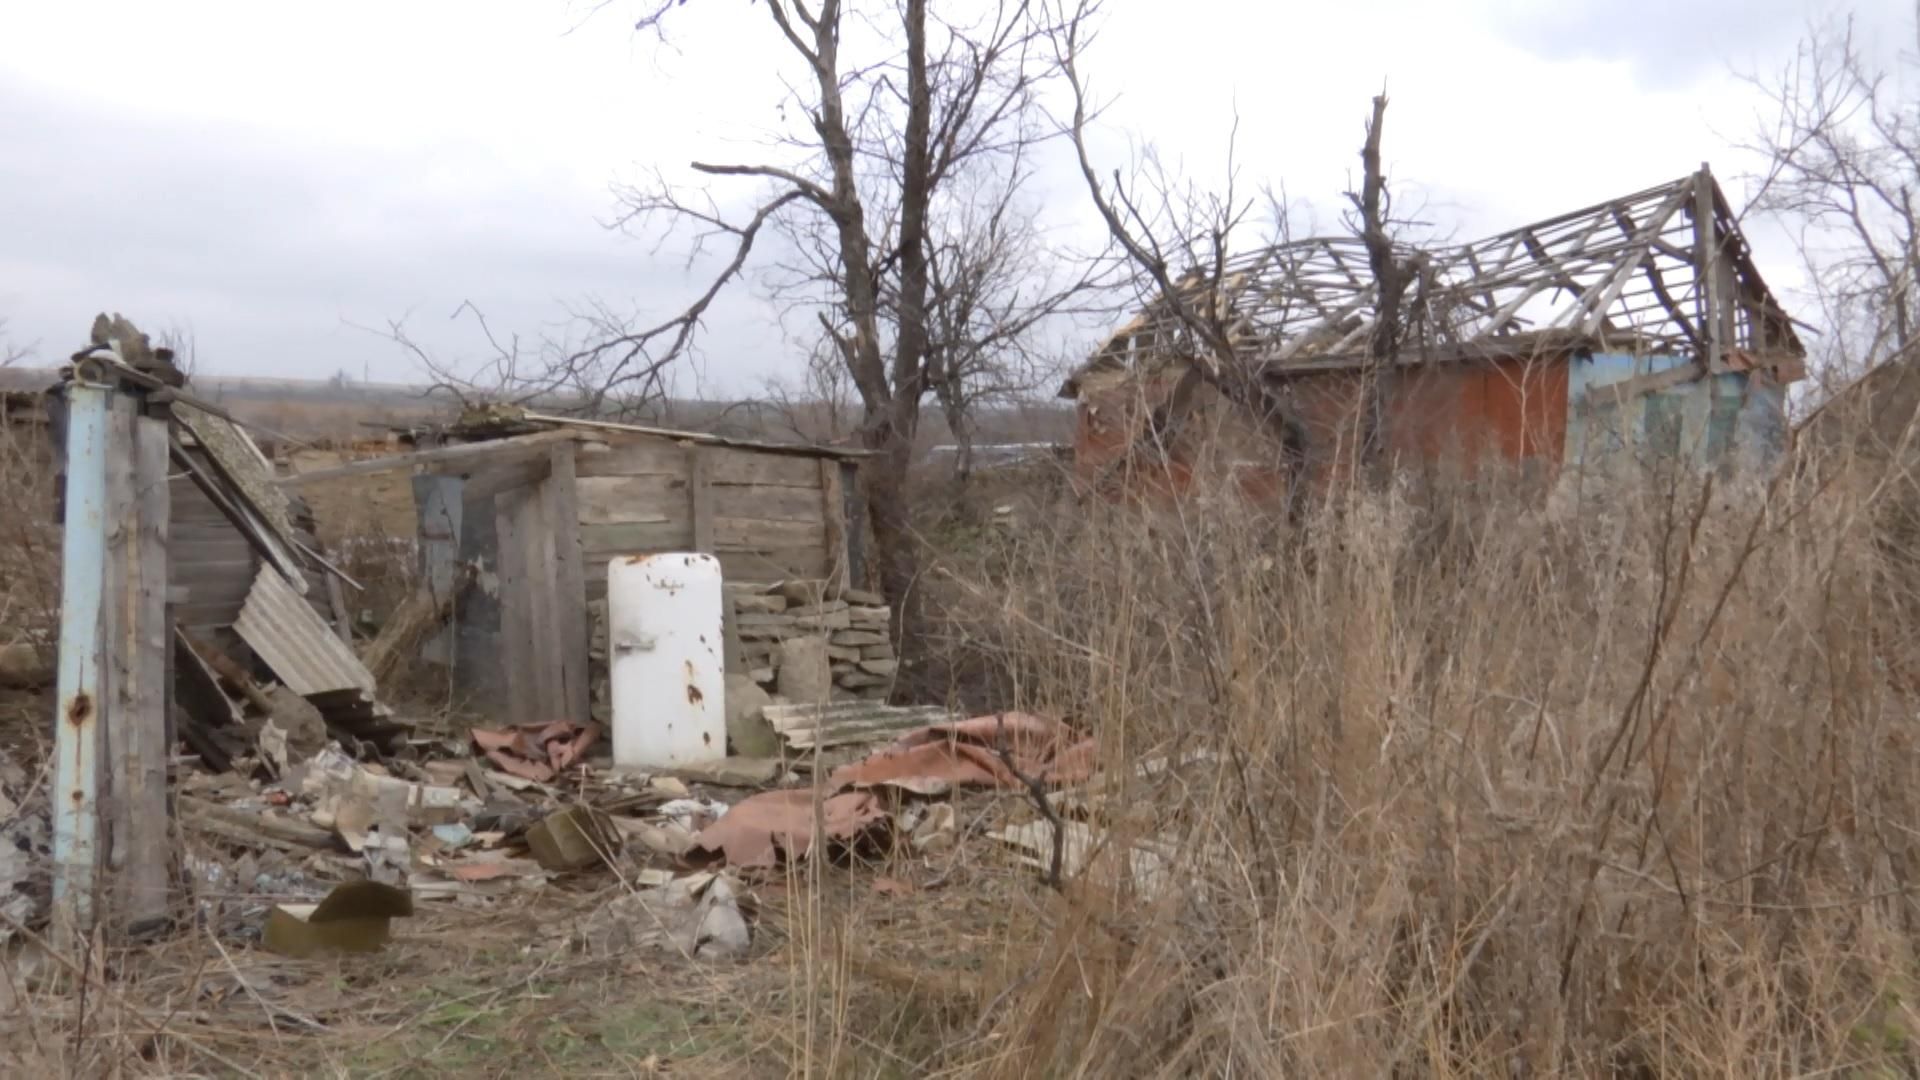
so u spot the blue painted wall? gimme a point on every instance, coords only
(1725, 418)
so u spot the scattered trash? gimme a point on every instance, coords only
(697, 916)
(453, 837)
(738, 772)
(936, 829)
(355, 917)
(1148, 869)
(573, 839)
(26, 881)
(536, 752)
(693, 814)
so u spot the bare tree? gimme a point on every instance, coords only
(10, 354)
(1843, 162)
(1220, 241)
(1160, 224)
(1393, 271)
(866, 192)
(589, 365)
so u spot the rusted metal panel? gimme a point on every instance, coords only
(290, 638)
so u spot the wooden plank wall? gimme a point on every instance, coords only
(765, 515)
(543, 613)
(211, 560)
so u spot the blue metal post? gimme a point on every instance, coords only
(76, 773)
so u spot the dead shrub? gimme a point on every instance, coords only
(1491, 783)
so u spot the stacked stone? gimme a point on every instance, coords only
(853, 624)
(797, 643)
(599, 689)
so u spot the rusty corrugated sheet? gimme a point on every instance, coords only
(292, 640)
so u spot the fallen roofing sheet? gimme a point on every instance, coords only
(849, 723)
(237, 456)
(968, 752)
(292, 640)
(775, 825)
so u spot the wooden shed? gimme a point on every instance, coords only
(536, 517)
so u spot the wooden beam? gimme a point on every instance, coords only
(138, 748)
(493, 450)
(569, 584)
(1705, 247)
(832, 509)
(1627, 390)
(700, 499)
(701, 437)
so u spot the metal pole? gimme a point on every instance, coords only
(76, 772)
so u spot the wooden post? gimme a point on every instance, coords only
(439, 505)
(516, 611)
(136, 719)
(854, 513)
(569, 582)
(1706, 258)
(700, 494)
(833, 512)
(76, 777)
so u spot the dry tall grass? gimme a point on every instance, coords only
(1620, 787)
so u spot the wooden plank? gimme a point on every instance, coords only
(569, 585)
(645, 458)
(119, 719)
(769, 503)
(854, 519)
(700, 498)
(729, 534)
(775, 565)
(142, 719)
(631, 500)
(206, 705)
(833, 532)
(605, 541)
(536, 534)
(747, 534)
(700, 437)
(727, 465)
(516, 615)
(1627, 390)
(495, 450)
(492, 479)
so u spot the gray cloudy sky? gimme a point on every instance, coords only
(272, 177)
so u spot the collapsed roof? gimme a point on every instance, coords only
(1665, 270)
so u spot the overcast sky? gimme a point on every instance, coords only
(282, 180)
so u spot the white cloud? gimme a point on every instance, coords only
(269, 174)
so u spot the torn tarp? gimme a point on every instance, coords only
(537, 752)
(929, 760)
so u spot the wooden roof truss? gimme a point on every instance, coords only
(1665, 270)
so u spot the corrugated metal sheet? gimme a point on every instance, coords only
(850, 723)
(292, 640)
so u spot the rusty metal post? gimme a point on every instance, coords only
(76, 783)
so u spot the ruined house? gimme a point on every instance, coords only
(519, 515)
(1637, 326)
